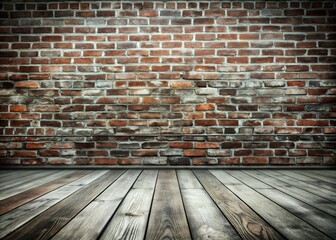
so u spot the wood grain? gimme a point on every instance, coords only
(317, 218)
(21, 215)
(15, 175)
(287, 223)
(23, 178)
(325, 193)
(206, 221)
(309, 180)
(130, 221)
(187, 179)
(10, 203)
(90, 222)
(167, 219)
(246, 222)
(252, 182)
(52, 220)
(317, 176)
(307, 197)
(147, 179)
(329, 174)
(29, 184)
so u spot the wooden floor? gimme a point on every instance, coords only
(167, 204)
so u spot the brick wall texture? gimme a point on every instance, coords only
(167, 82)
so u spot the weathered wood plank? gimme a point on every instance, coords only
(331, 195)
(167, 219)
(253, 183)
(15, 201)
(147, 179)
(317, 218)
(21, 215)
(4, 173)
(325, 173)
(246, 222)
(90, 222)
(48, 223)
(206, 221)
(286, 223)
(307, 197)
(32, 183)
(316, 176)
(187, 179)
(309, 180)
(130, 220)
(23, 178)
(16, 174)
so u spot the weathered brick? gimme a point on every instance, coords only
(242, 82)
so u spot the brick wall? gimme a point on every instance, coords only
(167, 82)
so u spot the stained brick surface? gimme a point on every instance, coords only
(167, 82)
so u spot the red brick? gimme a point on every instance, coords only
(312, 122)
(148, 13)
(205, 107)
(255, 160)
(205, 122)
(106, 161)
(194, 152)
(18, 108)
(206, 145)
(182, 145)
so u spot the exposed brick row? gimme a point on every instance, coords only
(167, 82)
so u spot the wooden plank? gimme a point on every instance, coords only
(316, 176)
(48, 223)
(167, 219)
(147, 179)
(13, 202)
(331, 171)
(16, 174)
(187, 179)
(327, 194)
(5, 173)
(307, 197)
(47, 177)
(206, 221)
(21, 215)
(324, 173)
(246, 222)
(309, 180)
(130, 220)
(22, 178)
(253, 183)
(90, 222)
(286, 223)
(317, 218)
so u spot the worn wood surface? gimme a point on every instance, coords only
(325, 193)
(167, 219)
(167, 204)
(309, 180)
(317, 176)
(38, 179)
(130, 221)
(92, 219)
(52, 220)
(287, 223)
(246, 222)
(21, 215)
(307, 197)
(17, 200)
